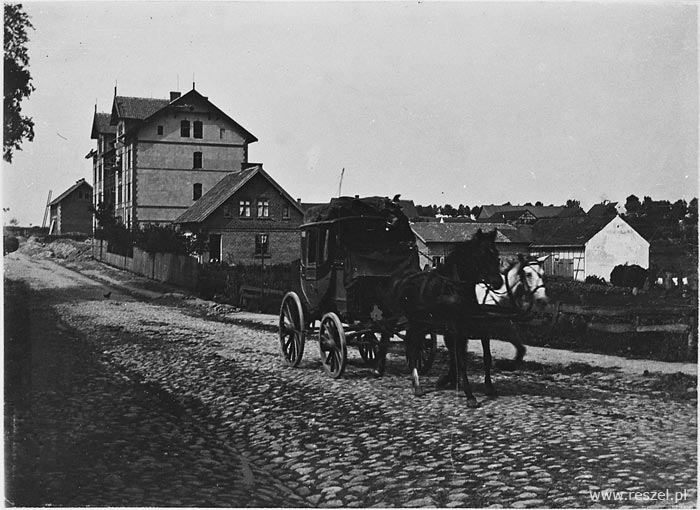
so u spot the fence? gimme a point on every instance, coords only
(179, 270)
(634, 320)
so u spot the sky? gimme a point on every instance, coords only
(444, 103)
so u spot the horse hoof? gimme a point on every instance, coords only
(472, 403)
(418, 391)
(377, 374)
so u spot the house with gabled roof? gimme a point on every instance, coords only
(156, 157)
(435, 240)
(525, 214)
(247, 217)
(590, 245)
(71, 211)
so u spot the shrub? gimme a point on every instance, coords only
(596, 280)
(9, 244)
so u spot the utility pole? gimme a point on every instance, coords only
(46, 210)
(340, 185)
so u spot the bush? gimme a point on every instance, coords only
(9, 244)
(596, 280)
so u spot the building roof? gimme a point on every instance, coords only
(101, 125)
(70, 190)
(139, 108)
(571, 231)
(539, 211)
(408, 208)
(143, 109)
(433, 232)
(223, 190)
(603, 209)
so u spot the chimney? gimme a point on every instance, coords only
(174, 96)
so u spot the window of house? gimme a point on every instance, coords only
(263, 208)
(160, 130)
(437, 260)
(197, 160)
(285, 212)
(197, 191)
(244, 209)
(262, 244)
(222, 133)
(197, 129)
(185, 128)
(228, 212)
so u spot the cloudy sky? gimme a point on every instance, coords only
(460, 102)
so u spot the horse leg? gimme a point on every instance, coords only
(450, 379)
(486, 348)
(514, 339)
(380, 363)
(413, 344)
(461, 342)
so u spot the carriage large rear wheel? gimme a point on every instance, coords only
(427, 352)
(291, 329)
(332, 345)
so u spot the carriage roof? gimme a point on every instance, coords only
(362, 211)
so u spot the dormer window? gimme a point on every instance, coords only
(197, 129)
(185, 128)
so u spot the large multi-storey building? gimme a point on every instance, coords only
(156, 157)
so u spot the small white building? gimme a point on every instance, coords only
(588, 246)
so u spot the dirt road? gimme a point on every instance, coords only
(122, 401)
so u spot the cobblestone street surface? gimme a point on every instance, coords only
(173, 402)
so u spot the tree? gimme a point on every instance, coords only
(573, 203)
(632, 205)
(18, 81)
(538, 204)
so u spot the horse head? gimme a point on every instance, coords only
(529, 290)
(476, 260)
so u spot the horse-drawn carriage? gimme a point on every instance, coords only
(352, 252)
(361, 285)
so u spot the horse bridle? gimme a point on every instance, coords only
(509, 288)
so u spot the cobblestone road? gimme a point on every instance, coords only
(177, 408)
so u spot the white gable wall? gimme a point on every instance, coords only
(617, 243)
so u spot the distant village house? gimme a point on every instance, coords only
(71, 212)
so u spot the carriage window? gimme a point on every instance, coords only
(322, 249)
(311, 239)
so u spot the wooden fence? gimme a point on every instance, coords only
(179, 270)
(634, 320)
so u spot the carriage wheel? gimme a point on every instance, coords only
(369, 347)
(291, 329)
(427, 353)
(333, 347)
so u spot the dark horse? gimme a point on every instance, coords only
(522, 291)
(444, 299)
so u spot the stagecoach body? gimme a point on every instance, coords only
(352, 250)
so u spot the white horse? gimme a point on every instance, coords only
(523, 289)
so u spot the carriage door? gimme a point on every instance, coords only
(315, 264)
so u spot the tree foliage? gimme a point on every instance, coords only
(18, 81)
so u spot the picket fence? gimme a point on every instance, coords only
(179, 270)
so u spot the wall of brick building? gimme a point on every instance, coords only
(238, 234)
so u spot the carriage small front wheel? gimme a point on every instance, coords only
(291, 329)
(332, 345)
(369, 347)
